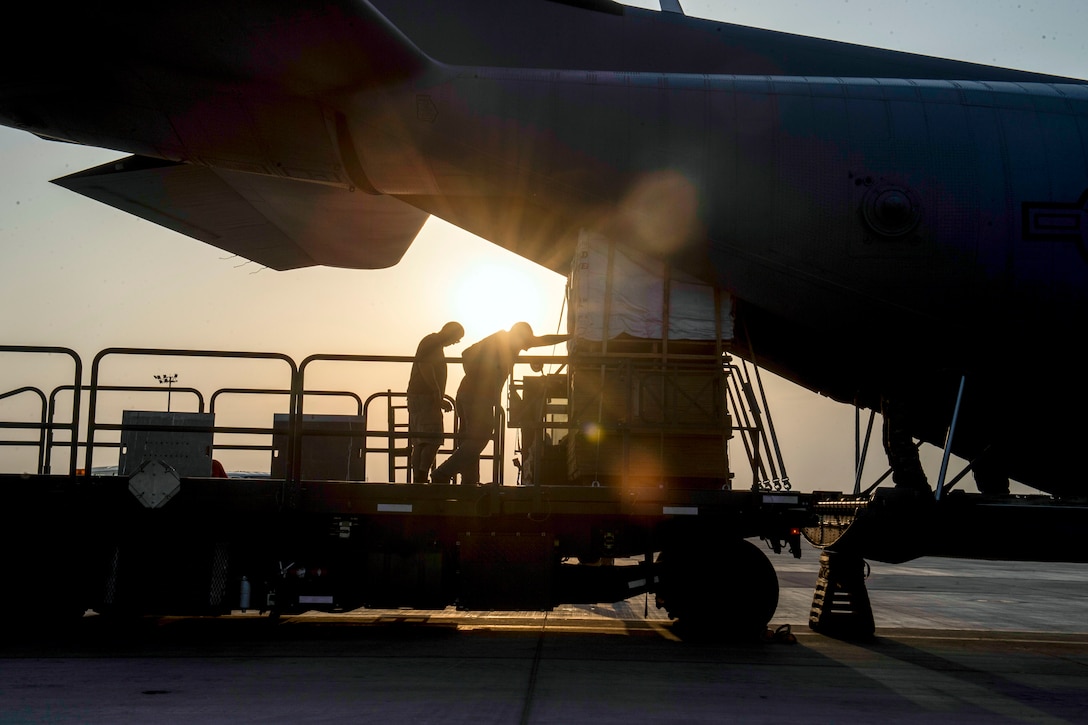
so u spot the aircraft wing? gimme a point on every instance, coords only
(276, 222)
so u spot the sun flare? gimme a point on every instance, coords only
(494, 295)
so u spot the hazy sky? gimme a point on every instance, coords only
(79, 274)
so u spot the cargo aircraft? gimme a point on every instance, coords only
(890, 225)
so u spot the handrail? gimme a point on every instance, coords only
(42, 426)
(296, 432)
(294, 446)
(49, 443)
(276, 391)
(735, 394)
(92, 425)
(268, 391)
(77, 362)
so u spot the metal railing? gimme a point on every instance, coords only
(41, 426)
(47, 424)
(51, 443)
(269, 447)
(93, 425)
(717, 402)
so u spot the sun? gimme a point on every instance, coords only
(492, 296)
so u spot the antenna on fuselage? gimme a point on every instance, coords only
(671, 6)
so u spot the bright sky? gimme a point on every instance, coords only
(81, 275)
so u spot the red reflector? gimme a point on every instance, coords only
(795, 532)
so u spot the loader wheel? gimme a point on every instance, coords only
(724, 589)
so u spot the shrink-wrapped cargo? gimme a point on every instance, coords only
(618, 293)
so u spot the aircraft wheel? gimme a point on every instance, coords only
(727, 588)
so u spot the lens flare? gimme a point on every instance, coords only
(659, 213)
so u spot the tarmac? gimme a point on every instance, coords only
(957, 641)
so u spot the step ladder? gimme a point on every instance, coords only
(752, 424)
(400, 448)
(840, 604)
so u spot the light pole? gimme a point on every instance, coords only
(169, 380)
